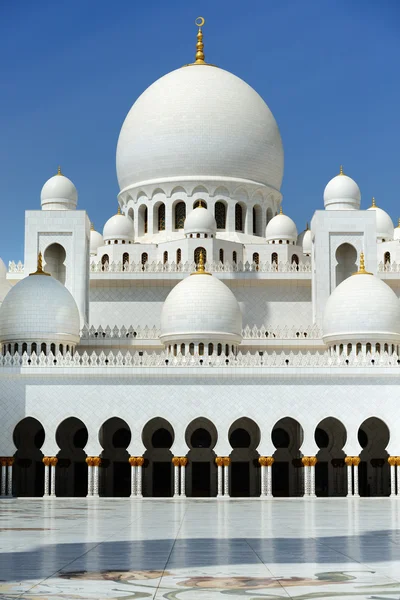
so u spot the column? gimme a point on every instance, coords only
(96, 465)
(133, 463)
(392, 462)
(356, 462)
(53, 462)
(313, 461)
(140, 461)
(46, 462)
(397, 476)
(306, 464)
(270, 462)
(3, 462)
(176, 462)
(349, 461)
(183, 462)
(263, 463)
(10, 462)
(227, 462)
(89, 462)
(219, 461)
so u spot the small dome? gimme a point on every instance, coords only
(396, 234)
(281, 227)
(384, 224)
(96, 240)
(200, 220)
(342, 193)
(201, 309)
(59, 193)
(362, 309)
(305, 241)
(119, 227)
(39, 309)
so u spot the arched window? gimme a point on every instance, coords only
(254, 221)
(191, 349)
(210, 349)
(269, 215)
(238, 218)
(220, 215)
(358, 348)
(161, 217)
(234, 257)
(221, 255)
(43, 348)
(125, 261)
(219, 349)
(178, 256)
(180, 215)
(201, 349)
(387, 258)
(368, 347)
(386, 348)
(144, 259)
(15, 348)
(33, 348)
(183, 349)
(25, 348)
(198, 202)
(197, 255)
(61, 348)
(274, 258)
(105, 261)
(377, 348)
(53, 348)
(130, 213)
(175, 349)
(145, 220)
(349, 349)
(256, 260)
(295, 260)
(165, 257)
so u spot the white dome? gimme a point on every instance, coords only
(384, 224)
(59, 193)
(305, 241)
(201, 309)
(200, 220)
(342, 193)
(281, 227)
(118, 227)
(96, 240)
(362, 309)
(39, 309)
(199, 121)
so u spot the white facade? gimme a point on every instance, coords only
(259, 375)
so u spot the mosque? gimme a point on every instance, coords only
(200, 346)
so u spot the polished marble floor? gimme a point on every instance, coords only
(198, 550)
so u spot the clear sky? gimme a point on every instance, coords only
(70, 71)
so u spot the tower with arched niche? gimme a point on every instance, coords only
(62, 234)
(339, 234)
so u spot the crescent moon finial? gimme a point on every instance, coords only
(200, 59)
(200, 21)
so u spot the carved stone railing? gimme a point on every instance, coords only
(389, 267)
(189, 267)
(14, 267)
(310, 332)
(241, 360)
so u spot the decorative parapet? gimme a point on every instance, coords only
(14, 267)
(248, 333)
(189, 267)
(389, 267)
(241, 360)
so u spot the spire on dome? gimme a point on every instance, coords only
(361, 269)
(373, 205)
(307, 226)
(39, 269)
(200, 46)
(281, 210)
(341, 170)
(59, 170)
(91, 226)
(398, 223)
(119, 210)
(200, 269)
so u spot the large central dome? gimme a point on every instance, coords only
(199, 121)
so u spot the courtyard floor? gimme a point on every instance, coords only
(117, 549)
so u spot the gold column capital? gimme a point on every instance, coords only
(219, 461)
(140, 461)
(53, 460)
(356, 460)
(176, 461)
(306, 461)
(392, 460)
(313, 460)
(3, 461)
(183, 461)
(96, 461)
(10, 461)
(132, 461)
(89, 461)
(46, 460)
(226, 461)
(263, 461)
(348, 460)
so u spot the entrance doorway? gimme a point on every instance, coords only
(162, 479)
(201, 471)
(280, 479)
(201, 482)
(240, 477)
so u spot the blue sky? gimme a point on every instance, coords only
(70, 71)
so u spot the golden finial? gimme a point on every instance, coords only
(91, 226)
(59, 170)
(200, 269)
(39, 269)
(200, 205)
(373, 205)
(341, 170)
(281, 210)
(398, 223)
(200, 46)
(361, 269)
(307, 226)
(119, 210)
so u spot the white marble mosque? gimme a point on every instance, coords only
(201, 346)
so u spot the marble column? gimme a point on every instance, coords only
(313, 461)
(89, 462)
(183, 462)
(3, 462)
(176, 462)
(46, 461)
(96, 465)
(133, 463)
(356, 462)
(53, 462)
(348, 461)
(227, 462)
(219, 461)
(263, 464)
(140, 461)
(392, 462)
(306, 464)
(10, 462)
(270, 462)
